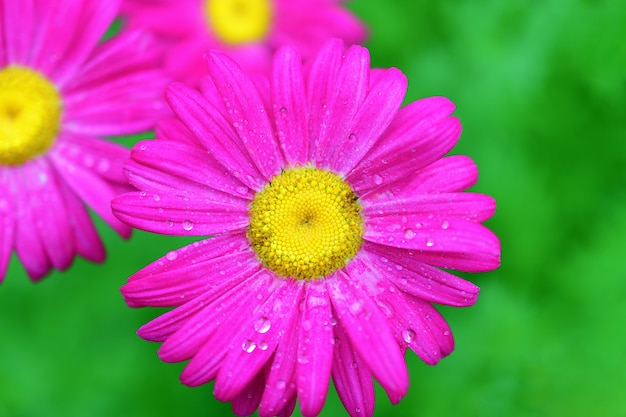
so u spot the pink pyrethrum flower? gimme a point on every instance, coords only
(250, 31)
(61, 92)
(332, 210)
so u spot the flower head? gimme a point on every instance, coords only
(250, 31)
(332, 210)
(60, 92)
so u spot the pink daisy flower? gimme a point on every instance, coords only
(250, 31)
(332, 210)
(61, 91)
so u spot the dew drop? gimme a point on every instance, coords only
(263, 345)
(171, 255)
(445, 224)
(351, 136)
(187, 225)
(169, 223)
(429, 242)
(378, 179)
(409, 234)
(283, 110)
(157, 197)
(262, 325)
(281, 384)
(248, 346)
(242, 190)
(408, 335)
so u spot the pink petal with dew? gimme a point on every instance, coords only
(249, 398)
(320, 86)
(280, 385)
(374, 115)
(206, 363)
(106, 159)
(179, 216)
(187, 328)
(450, 243)
(165, 18)
(255, 343)
(421, 146)
(468, 206)
(289, 105)
(86, 238)
(160, 166)
(178, 285)
(352, 378)
(315, 349)
(48, 210)
(122, 106)
(173, 130)
(369, 332)
(419, 279)
(91, 188)
(287, 410)
(450, 174)
(57, 51)
(214, 132)
(247, 113)
(416, 324)
(350, 87)
(28, 244)
(7, 219)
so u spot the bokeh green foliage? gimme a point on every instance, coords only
(540, 87)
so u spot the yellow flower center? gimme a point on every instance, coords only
(30, 114)
(239, 21)
(306, 223)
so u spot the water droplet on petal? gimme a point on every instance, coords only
(408, 335)
(445, 224)
(156, 197)
(429, 242)
(242, 190)
(378, 179)
(281, 384)
(262, 325)
(351, 136)
(172, 255)
(263, 345)
(248, 346)
(169, 223)
(187, 225)
(409, 234)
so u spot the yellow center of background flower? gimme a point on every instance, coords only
(306, 223)
(30, 114)
(239, 21)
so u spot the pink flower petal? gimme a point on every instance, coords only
(280, 385)
(214, 131)
(178, 285)
(106, 159)
(48, 211)
(289, 105)
(369, 332)
(450, 174)
(343, 101)
(7, 220)
(424, 144)
(320, 87)
(88, 243)
(449, 243)
(206, 363)
(91, 188)
(468, 206)
(374, 115)
(315, 349)
(419, 279)
(352, 378)
(249, 398)
(19, 26)
(173, 215)
(247, 113)
(162, 166)
(173, 130)
(254, 344)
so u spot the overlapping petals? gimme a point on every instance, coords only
(267, 340)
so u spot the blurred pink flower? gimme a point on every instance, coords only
(61, 91)
(332, 210)
(250, 31)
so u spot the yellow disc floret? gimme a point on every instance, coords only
(30, 114)
(306, 223)
(239, 21)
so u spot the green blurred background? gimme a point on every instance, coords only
(540, 87)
